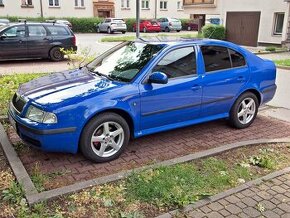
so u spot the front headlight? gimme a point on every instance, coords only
(40, 116)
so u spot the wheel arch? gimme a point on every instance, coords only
(255, 92)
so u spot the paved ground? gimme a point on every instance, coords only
(270, 199)
(69, 169)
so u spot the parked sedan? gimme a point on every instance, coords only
(139, 88)
(111, 25)
(169, 24)
(191, 25)
(148, 26)
(35, 40)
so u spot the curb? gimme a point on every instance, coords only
(33, 196)
(224, 194)
(283, 67)
(271, 52)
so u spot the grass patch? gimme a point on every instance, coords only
(285, 62)
(9, 84)
(132, 38)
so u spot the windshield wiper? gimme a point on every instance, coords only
(98, 73)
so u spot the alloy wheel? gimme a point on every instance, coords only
(246, 111)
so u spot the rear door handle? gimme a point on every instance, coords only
(195, 87)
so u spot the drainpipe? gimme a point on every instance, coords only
(41, 9)
(155, 15)
(137, 19)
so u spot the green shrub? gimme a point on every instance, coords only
(213, 31)
(184, 23)
(130, 22)
(270, 48)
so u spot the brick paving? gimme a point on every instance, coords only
(269, 199)
(64, 169)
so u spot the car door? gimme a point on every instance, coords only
(226, 73)
(13, 42)
(177, 101)
(162, 24)
(38, 42)
(105, 25)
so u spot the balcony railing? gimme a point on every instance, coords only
(199, 2)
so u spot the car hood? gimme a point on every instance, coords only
(61, 86)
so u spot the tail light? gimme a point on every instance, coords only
(170, 24)
(74, 40)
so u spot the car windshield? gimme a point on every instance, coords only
(126, 62)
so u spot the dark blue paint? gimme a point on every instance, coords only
(77, 96)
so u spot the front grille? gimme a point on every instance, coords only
(18, 103)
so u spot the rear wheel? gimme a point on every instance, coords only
(55, 54)
(104, 137)
(178, 31)
(244, 111)
(167, 29)
(123, 32)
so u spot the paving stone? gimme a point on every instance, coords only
(205, 209)
(268, 204)
(285, 207)
(286, 215)
(196, 214)
(264, 195)
(282, 198)
(214, 214)
(257, 198)
(271, 192)
(248, 193)
(278, 211)
(251, 212)
(239, 195)
(241, 205)
(278, 189)
(275, 201)
(270, 214)
(224, 202)
(276, 181)
(224, 212)
(232, 216)
(243, 215)
(232, 199)
(233, 209)
(215, 206)
(249, 201)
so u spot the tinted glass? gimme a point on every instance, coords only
(17, 31)
(57, 31)
(215, 58)
(180, 62)
(36, 31)
(237, 59)
(126, 62)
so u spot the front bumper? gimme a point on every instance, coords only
(46, 139)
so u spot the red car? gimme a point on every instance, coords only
(148, 26)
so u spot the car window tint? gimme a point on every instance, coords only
(237, 59)
(215, 58)
(36, 31)
(57, 30)
(17, 31)
(177, 63)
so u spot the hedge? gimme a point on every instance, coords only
(80, 25)
(213, 31)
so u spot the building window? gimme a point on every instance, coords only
(26, 2)
(79, 3)
(145, 4)
(125, 3)
(163, 5)
(54, 3)
(179, 5)
(197, 2)
(1, 3)
(278, 23)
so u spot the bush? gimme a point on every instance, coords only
(184, 23)
(80, 25)
(130, 22)
(213, 31)
(270, 48)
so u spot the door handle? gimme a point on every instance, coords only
(20, 41)
(195, 87)
(241, 79)
(46, 39)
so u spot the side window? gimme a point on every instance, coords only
(107, 20)
(177, 63)
(237, 59)
(17, 31)
(36, 31)
(57, 31)
(215, 58)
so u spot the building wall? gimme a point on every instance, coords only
(66, 9)
(267, 9)
(172, 10)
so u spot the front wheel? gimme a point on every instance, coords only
(244, 111)
(123, 32)
(109, 31)
(104, 137)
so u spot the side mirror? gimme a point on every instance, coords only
(158, 78)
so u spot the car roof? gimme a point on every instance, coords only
(36, 23)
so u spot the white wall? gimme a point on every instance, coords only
(266, 7)
(66, 9)
(150, 13)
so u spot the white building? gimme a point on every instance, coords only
(150, 8)
(47, 8)
(248, 22)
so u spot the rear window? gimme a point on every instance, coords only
(58, 31)
(118, 20)
(215, 58)
(237, 59)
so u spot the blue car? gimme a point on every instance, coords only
(139, 88)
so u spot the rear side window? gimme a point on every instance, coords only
(177, 63)
(237, 59)
(36, 31)
(215, 58)
(58, 31)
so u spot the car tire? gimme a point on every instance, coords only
(98, 30)
(55, 54)
(244, 111)
(167, 29)
(109, 31)
(178, 31)
(123, 32)
(103, 127)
